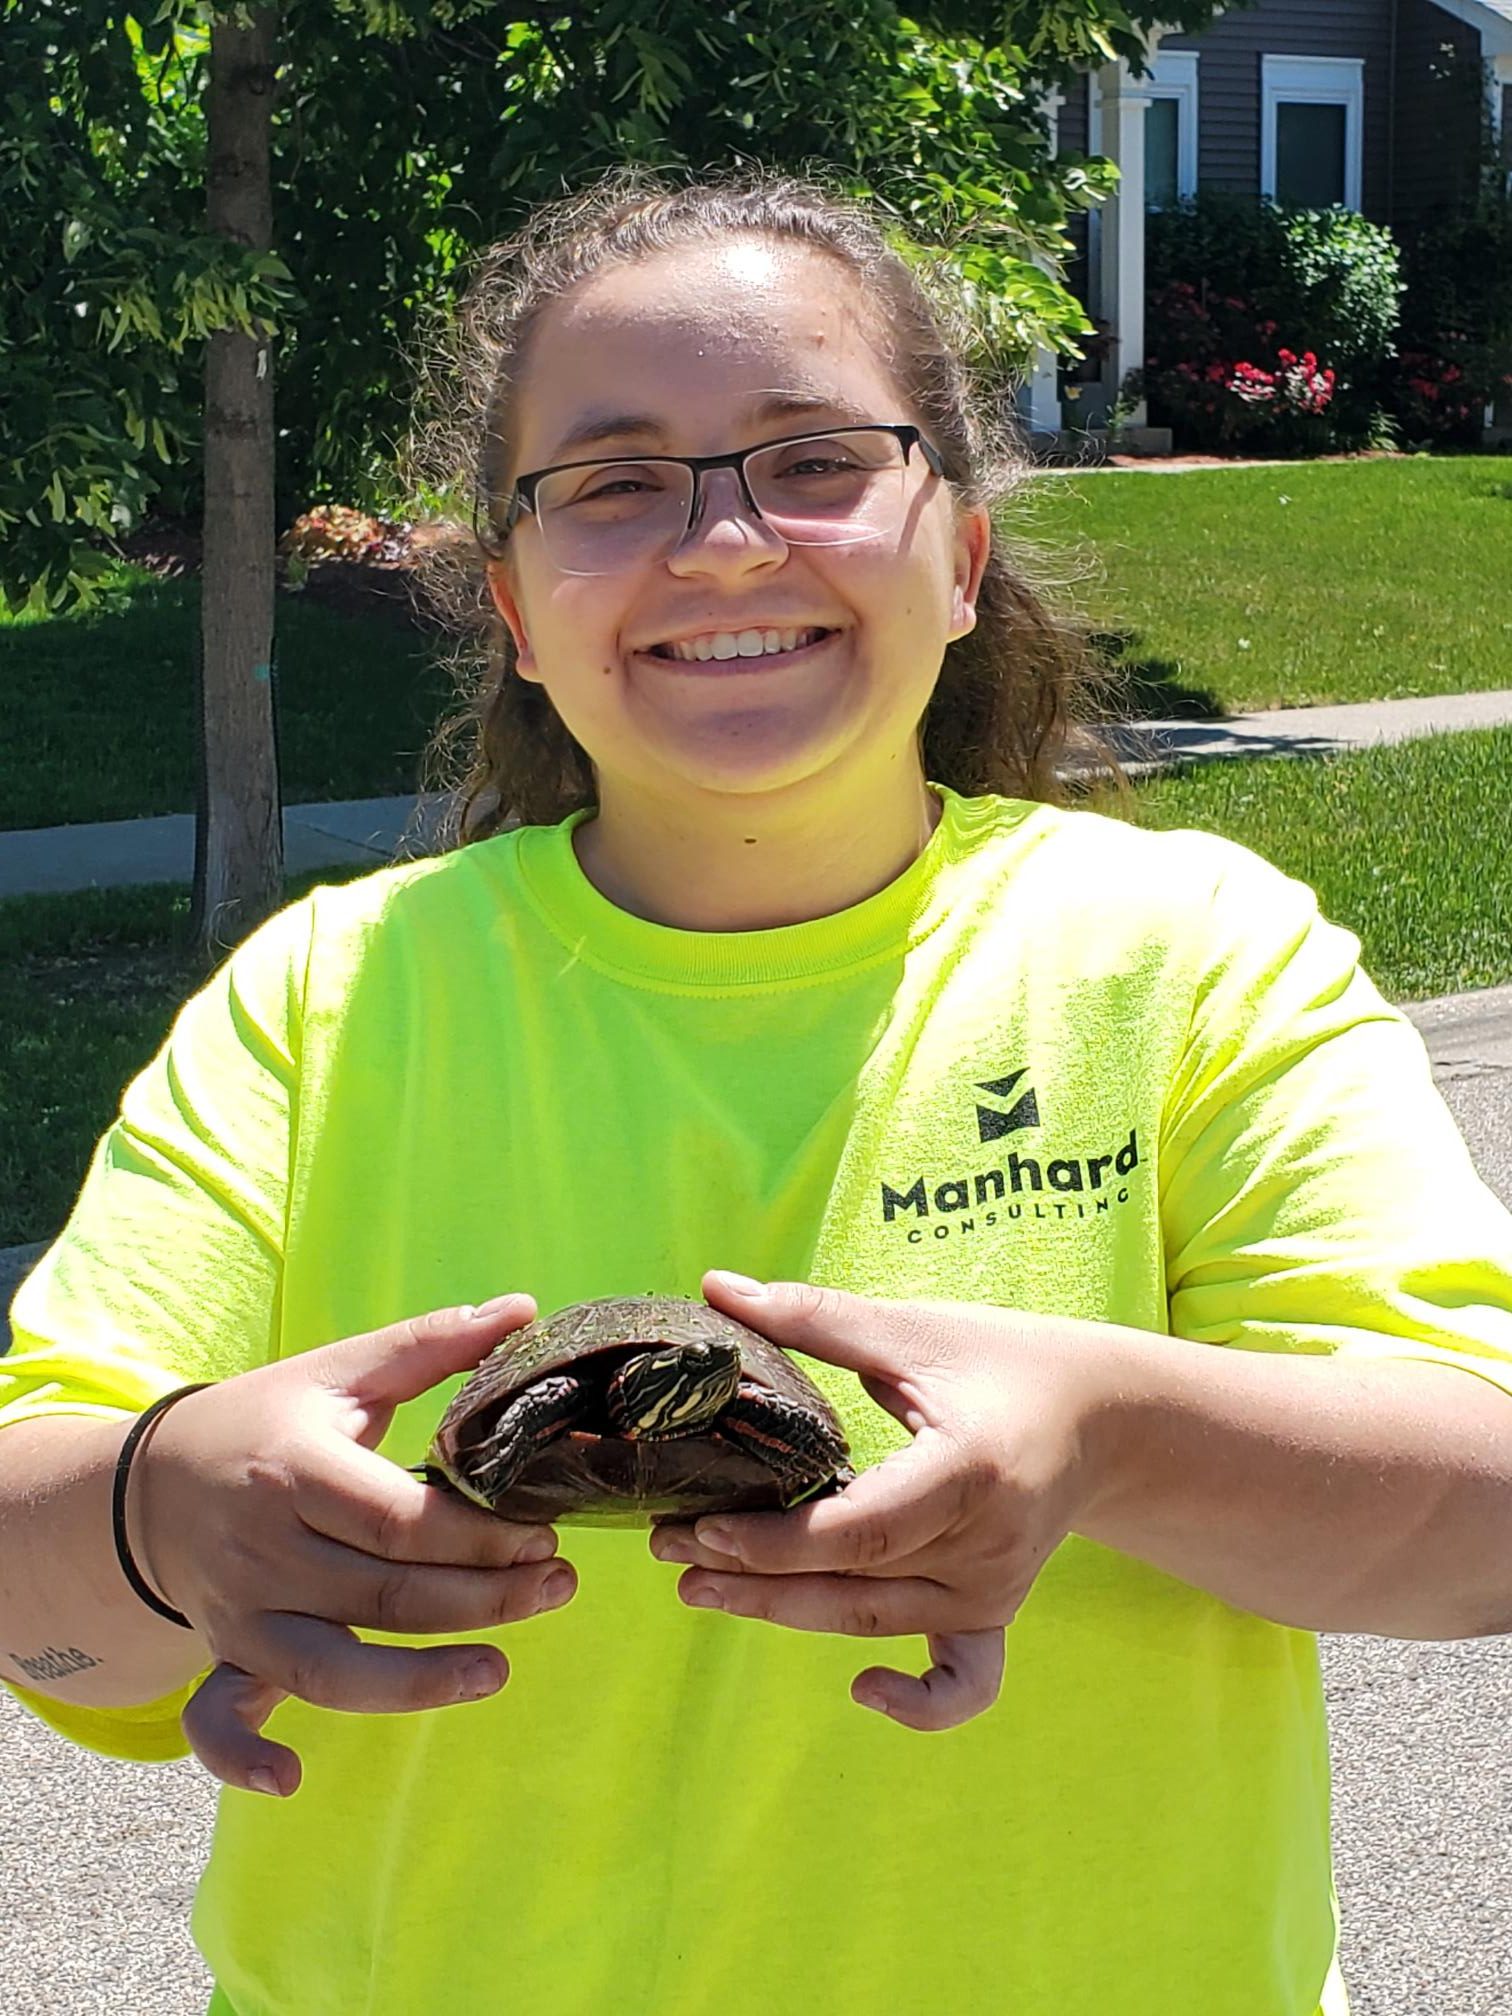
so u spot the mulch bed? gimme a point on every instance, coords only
(350, 587)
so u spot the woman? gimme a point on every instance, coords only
(795, 967)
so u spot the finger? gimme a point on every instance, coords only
(329, 1666)
(889, 1514)
(220, 1723)
(965, 1680)
(860, 1332)
(348, 1588)
(383, 1367)
(366, 1501)
(855, 1606)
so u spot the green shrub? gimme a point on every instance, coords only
(1324, 283)
(1456, 321)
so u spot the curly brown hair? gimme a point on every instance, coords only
(1015, 705)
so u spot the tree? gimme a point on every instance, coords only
(120, 290)
(402, 134)
(238, 856)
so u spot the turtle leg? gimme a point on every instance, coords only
(534, 1417)
(801, 1451)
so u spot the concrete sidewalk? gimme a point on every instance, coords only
(1307, 731)
(116, 853)
(54, 859)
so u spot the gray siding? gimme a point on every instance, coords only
(1072, 128)
(1228, 141)
(1071, 138)
(1438, 103)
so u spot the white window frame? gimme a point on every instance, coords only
(1173, 74)
(1315, 80)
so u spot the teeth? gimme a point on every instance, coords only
(740, 644)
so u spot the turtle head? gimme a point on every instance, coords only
(673, 1389)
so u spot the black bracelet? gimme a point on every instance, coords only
(129, 1447)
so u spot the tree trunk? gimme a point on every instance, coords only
(238, 860)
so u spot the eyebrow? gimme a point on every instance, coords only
(597, 427)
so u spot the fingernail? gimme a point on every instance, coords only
(261, 1779)
(719, 1539)
(742, 1284)
(557, 1587)
(478, 1680)
(486, 1309)
(703, 1596)
(540, 1548)
(868, 1697)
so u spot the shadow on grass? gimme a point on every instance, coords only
(102, 707)
(1152, 688)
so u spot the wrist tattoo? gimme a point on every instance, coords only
(51, 1663)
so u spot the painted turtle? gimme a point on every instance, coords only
(609, 1412)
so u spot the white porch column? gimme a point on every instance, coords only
(1122, 101)
(1040, 401)
(1042, 405)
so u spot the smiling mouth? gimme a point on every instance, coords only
(725, 645)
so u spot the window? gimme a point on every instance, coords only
(1171, 130)
(1311, 130)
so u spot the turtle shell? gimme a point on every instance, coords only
(593, 1475)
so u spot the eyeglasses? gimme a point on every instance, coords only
(834, 488)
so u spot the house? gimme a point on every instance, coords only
(1377, 104)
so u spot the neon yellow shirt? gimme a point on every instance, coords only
(1060, 1064)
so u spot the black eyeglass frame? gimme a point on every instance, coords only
(523, 496)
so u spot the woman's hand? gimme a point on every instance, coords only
(261, 1509)
(944, 1537)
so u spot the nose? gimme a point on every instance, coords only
(726, 536)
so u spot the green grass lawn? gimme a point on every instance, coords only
(100, 709)
(1231, 590)
(1409, 846)
(1394, 840)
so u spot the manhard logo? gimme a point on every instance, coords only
(1018, 1185)
(992, 1122)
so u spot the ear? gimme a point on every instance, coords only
(504, 601)
(973, 543)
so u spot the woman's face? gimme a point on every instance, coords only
(698, 343)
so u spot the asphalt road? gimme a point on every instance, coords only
(102, 1857)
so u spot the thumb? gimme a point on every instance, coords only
(860, 1332)
(381, 1368)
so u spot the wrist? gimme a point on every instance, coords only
(141, 1532)
(1118, 1425)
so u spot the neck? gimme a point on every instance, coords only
(752, 863)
